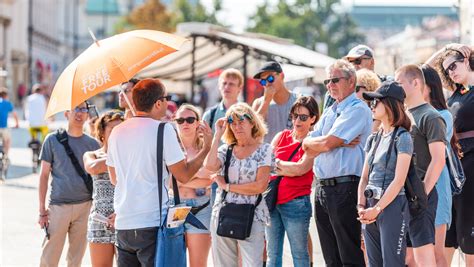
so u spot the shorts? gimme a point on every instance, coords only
(5, 133)
(203, 215)
(461, 232)
(445, 199)
(421, 228)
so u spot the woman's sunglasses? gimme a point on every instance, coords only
(303, 117)
(230, 119)
(269, 79)
(360, 87)
(373, 103)
(358, 61)
(189, 120)
(453, 66)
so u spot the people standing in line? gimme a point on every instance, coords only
(338, 167)
(35, 110)
(132, 160)
(127, 92)
(433, 94)
(429, 138)
(382, 204)
(6, 107)
(455, 65)
(70, 198)
(196, 193)
(231, 82)
(101, 234)
(275, 104)
(292, 213)
(249, 169)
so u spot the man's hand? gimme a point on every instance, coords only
(268, 93)
(43, 220)
(353, 143)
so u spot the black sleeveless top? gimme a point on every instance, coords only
(462, 107)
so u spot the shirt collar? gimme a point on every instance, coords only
(337, 107)
(221, 106)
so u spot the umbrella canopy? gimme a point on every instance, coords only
(107, 63)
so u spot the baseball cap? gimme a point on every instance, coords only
(390, 89)
(268, 66)
(360, 50)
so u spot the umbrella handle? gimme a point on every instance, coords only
(132, 108)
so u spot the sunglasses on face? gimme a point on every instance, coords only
(166, 97)
(358, 61)
(360, 87)
(189, 120)
(230, 119)
(269, 79)
(333, 80)
(81, 110)
(373, 103)
(452, 66)
(302, 117)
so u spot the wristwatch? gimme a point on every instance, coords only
(378, 208)
(227, 188)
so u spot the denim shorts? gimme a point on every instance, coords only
(203, 215)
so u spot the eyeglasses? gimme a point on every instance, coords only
(230, 119)
(189, 120)
(358, 61)
(452, 66)
(333, 80)
(167, 97)
(269, 79)
(359, 87)
(81, 110)
(303, 117)
(373, 103)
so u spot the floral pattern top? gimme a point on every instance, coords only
(242, 171)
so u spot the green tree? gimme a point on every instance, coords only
(184, 11)
(308, 22)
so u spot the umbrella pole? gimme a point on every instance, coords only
(130, 106)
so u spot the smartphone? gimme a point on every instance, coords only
(93, 112)
(46, 232)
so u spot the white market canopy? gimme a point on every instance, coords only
(212, 48)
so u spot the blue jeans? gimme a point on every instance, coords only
(292, 217)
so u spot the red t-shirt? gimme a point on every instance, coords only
(291, 187)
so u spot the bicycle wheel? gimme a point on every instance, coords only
(35, 160)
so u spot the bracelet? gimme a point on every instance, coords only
(227, 188)
(43, 215)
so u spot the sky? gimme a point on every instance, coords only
(236, 12)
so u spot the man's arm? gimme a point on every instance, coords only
(322, 144)
(15, 117)
(113, 175)
(42, 190)
(438, 161)
(184, 170)
(261, 107)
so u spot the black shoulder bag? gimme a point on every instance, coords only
(213, 115)
(271, 194)
(62, 137)
(235, 220)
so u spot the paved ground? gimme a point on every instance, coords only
(20, 235)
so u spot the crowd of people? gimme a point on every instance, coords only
(375, 135)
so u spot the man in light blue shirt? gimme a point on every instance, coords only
(338, 167)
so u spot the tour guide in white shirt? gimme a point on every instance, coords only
(132, 166)
(338, 167)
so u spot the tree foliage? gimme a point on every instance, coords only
(308, 22)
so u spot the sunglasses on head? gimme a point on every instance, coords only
(81, 110)
(358, 61)
(374, 102)
(333, 80)
(302, 117)
(453, 66)
(230, 119)
(269, 79)
(360, 87)
(189, 120)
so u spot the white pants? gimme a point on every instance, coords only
(225, 251)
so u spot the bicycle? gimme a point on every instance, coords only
(4, 163)
(35, 145)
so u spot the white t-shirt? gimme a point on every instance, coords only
(132, 152)
(35, 110)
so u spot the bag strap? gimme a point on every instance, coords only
(389, 153)
(213, 115)
(291, 156)
(159, 165)
(228, 155)
(62, 137)
(177, 199)
(377, 139)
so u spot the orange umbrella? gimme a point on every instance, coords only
(107, 63)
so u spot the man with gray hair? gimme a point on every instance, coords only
(338, 167)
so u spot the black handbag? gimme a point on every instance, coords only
(235, 220)
(271, 193)
(455, 170)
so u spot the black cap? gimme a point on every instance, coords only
(390, 89)
(268, 66)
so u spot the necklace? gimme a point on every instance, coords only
(464, 90)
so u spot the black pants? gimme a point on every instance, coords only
(338, 228)
(136, 247)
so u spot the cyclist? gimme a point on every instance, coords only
(35, 109)
(6, 108)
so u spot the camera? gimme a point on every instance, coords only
(373, 192)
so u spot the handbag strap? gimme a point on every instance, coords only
(291, 156)
(378, 138)
(62, 137)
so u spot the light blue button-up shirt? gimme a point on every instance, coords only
(346, 120)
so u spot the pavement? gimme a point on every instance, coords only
(20, 235)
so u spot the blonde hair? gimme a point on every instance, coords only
(232, 73)
(369, 79)
(259, 129)
(199, 142)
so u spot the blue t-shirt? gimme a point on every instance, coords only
(5, 108)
